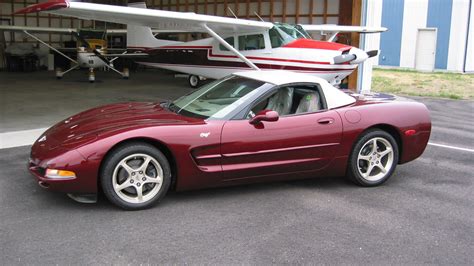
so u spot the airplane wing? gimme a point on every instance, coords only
(335, 29)
(338, 28)
(37, 29)
(163, 20)
(154, 31)
(70, 30)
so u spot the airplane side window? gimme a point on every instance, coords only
(251, 42)
(229, 40)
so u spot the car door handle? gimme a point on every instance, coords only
(326, 121)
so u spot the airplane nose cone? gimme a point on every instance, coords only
(354, 56)
(360, 56)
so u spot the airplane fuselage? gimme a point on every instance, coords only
(207, 58)
(89, 60)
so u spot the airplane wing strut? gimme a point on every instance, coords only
(49, 46)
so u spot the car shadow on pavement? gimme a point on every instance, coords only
(248, 190)
(221, 193)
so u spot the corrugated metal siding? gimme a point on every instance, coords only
(439, 16)
(372, 17)
(457, 40)
(390, 41)
(414, 18)
(469, 58)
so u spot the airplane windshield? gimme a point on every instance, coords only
(216, 99)
(92, 34)
(283, 33)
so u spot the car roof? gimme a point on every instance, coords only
(279, 77)
(335, 98)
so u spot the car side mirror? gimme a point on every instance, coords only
(265, 115)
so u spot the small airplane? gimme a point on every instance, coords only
(92, 52)
(235, 44)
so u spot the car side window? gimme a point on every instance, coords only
(229, 40)
(251, 42)
(291, 100)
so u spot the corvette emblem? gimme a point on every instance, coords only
(204, 135)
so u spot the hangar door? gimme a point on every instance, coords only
(426, 49)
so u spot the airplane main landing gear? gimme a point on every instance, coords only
(91, 75)
(126, 73)
(194, 81)
(59, 73)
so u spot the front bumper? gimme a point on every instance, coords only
(49, 183)
(85, 181)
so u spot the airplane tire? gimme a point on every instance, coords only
(194, 81)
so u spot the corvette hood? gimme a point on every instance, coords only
(88, 125)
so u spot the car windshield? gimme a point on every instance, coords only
(216, 99)
(283, 33)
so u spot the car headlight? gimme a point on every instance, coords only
(59, 174)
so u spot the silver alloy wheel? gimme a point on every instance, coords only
(137, 178)
(375, 159)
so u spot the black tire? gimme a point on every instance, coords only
(194, 81)
(112, 162)
(357, 166)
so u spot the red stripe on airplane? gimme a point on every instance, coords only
(262, 66)
(270, 59)
(313, 44)
(177, 47)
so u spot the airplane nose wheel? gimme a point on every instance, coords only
(59, 74)
(91, 75)
(194, 81)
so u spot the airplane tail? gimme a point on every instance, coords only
(141, 36)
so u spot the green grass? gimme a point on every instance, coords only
(432, 84)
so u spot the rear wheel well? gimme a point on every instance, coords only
(155, 143)
(393, 132)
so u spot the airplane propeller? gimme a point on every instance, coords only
(372, 53)
(101, 57)
(86, 44)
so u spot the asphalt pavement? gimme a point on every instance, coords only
(423, 215)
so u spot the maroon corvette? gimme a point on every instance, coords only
(249, 127)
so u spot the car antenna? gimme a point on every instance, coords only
(256, 14)
(232, 12)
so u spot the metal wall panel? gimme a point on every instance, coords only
(457, 40)
(439, 16)
(390, 41)
(414, 18)
(469, 55)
